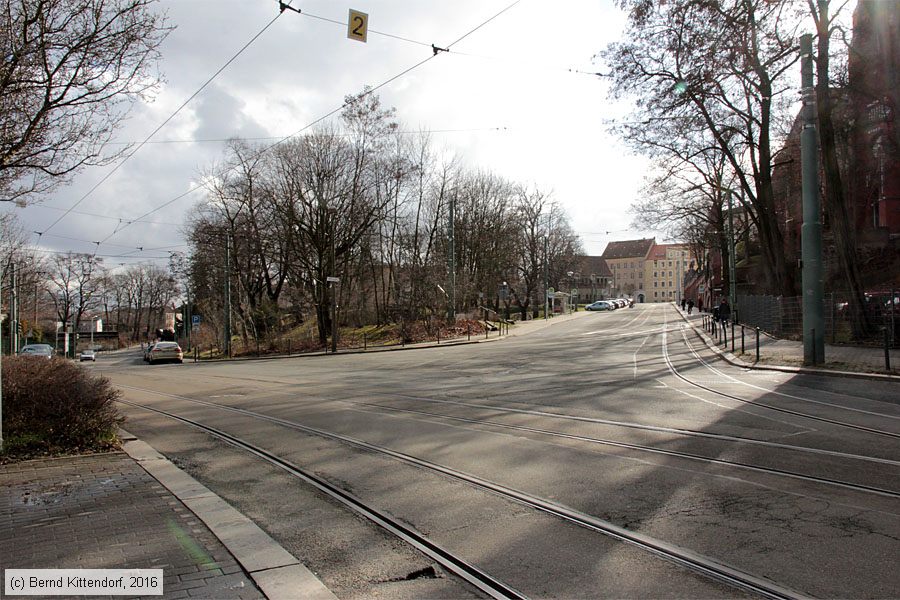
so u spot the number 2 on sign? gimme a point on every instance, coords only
(358, 25)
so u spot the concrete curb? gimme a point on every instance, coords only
(276, 572)
(738, 362)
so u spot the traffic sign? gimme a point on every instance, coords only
(195, 319)
(358, 26)
(333, 279)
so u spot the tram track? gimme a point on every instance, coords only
(653, 428)
(692, 561)
(482, 581)
(644, 448)
(737, 381)
(855, 426)
(750, 494)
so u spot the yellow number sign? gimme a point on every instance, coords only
(358, 25)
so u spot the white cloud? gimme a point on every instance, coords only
(301, 68)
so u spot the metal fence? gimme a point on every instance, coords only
(783, 317)
(414, 333)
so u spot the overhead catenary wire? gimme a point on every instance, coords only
(318, 120)
(125, 223)
(98, 215)
(436, 49)
(220, 140)
(278, 137)
(120, 256)
(164, 123)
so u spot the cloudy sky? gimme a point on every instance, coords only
(511, 90)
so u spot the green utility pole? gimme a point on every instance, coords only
(811, 231)
(13, 313)
(451, 310)
(334, 296)
(732, 279)
(546, 276)
(187, 318)
(227, 326)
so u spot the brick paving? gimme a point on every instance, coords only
(105, 512)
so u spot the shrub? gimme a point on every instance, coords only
(55, 406)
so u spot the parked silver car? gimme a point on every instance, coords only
(39, 350)
(600, 305)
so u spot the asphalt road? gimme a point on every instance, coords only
(608, 414)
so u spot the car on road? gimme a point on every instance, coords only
(39, 350)
(600, 305)
(87, 355)
(163, 351)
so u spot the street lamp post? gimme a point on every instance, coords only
(573, 304)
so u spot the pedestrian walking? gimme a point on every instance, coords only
(700, 304)
(690, 305)
(724, 311)
(683, 302)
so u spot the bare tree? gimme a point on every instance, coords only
(70, 70)
(74, 283)
(719, 67)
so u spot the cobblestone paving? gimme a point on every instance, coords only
(106, 512)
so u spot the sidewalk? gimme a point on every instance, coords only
(788, 354)
(121, 511)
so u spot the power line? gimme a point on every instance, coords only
(125, 223)
(97, 215)
(284, 7)
(479, 26)
(434, 48)
(313, 123)
(325, 116)
(66, 252)
(278, 137)
(163, 124)
(41, 234)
